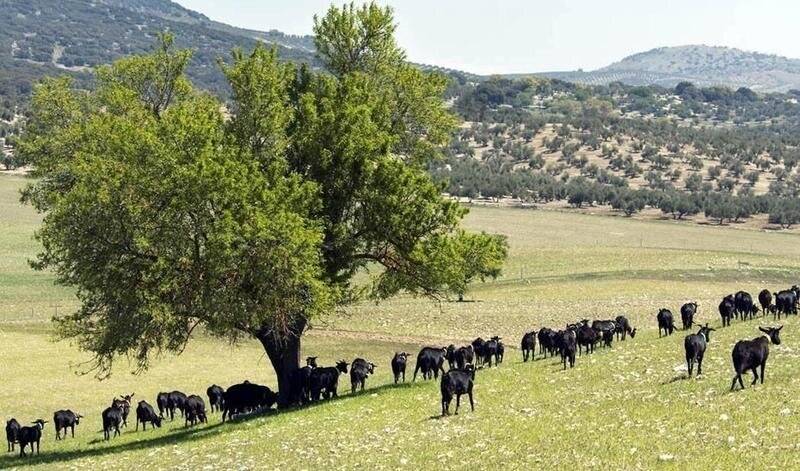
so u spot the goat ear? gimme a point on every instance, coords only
(779, 328)
(763, 330)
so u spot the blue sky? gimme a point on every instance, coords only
(504, 36)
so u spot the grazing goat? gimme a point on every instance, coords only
(457, 382)
(360, 370)
(145, 413)
(31, 435)
(195, 410)
(605, 330)
(695, 346)
(399, 366)
(65, 419)
(246, 397)
(752, 354)
(624, 327)
(528, 346)
(176, 400)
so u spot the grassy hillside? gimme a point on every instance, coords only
(627, 407)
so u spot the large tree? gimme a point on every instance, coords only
(168, 211)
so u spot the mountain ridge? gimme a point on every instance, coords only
(697, 63)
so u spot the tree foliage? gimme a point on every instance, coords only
(167, 216)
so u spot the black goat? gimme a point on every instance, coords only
(493, 349)
(399, 366)
(215, 397)
(457, 382)
(695, 346)
(464, 355)
(65, 419)
(752, 354)
(528, 346)
(176, 400)
(567, 345)
(727, 308)
(194, 410)
(665, 322)
(12, 433)
(586, 337)
(145, 413)
(112, 419)
(624, 327)
(125, 405)
(246, 397)
(765, 300)
(31, 435)
(360, 370)
(688, 311)
(430, 360)
(301, 379)
(478, 346)
(326, 379)
(162, 401)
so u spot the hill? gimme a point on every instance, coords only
(562, 267)
(699, 64)
(726, 154)
(41, 37)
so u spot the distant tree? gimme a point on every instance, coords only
(720, 208)
(536, 161)
(780, 173)
(678, 204)
(753, 177)
(579, 192)
(726, 184)
(628, 201)
(785, 212)
(714, 172)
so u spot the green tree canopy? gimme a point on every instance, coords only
(166, 215)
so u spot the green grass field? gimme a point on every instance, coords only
(622, 408)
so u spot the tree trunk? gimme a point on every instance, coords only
(283, 350)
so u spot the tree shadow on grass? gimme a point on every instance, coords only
(174, 436)
(96, 452)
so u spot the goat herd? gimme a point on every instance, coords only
(311, 383)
